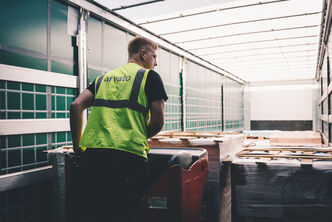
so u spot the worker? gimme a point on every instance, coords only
(127, 109)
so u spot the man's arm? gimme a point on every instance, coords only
(157, 118)
(82, 102)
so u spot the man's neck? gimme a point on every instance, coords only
(131, 60)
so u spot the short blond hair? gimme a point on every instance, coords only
(138, 43)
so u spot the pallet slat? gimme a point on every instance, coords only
(287, 156)
(303, 154)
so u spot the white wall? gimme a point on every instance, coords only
(281, 102)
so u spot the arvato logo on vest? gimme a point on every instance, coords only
(117, 78)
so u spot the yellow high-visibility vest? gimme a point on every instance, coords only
(118, 118)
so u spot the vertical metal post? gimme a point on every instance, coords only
(315, 106)
(246, 108)
(224, 85)
(49, 64)
(222, 105)
(329, 82)
(49, 68)
(102, 47)
(183, 63)
(82, 59)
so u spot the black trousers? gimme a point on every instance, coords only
(113, 184)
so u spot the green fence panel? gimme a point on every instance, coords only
(203, 98)
(234, 116)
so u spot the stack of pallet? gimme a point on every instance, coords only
(283, 181)
(295, 138)
(220, 146)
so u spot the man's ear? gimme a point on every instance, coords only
(142, 54)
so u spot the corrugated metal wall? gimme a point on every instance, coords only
(25, 43)
(234, 118)
(324, 78)
(169, 69)
(33, 34)
(203, 99)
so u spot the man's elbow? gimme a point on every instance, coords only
(158, 124)
(75, 106)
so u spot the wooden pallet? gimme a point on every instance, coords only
(255, 137)
(295, 138)
(187, 136)
(182, 139)
(306, 154)
(67, 149)
(198, 134)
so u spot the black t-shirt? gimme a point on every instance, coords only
(154, 87)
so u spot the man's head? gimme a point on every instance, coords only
(143, 51)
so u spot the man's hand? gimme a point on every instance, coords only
(78, 150)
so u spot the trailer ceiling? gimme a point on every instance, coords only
(271, 40)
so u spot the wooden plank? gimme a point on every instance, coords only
(307, 160)
(299, 147)
(295, 138)
(244, 152)
(275, 152)
(286, 156)
(255, 137)
(218, 140)
(187, 138)
(159, 137)
(195, 134)
(325, 150)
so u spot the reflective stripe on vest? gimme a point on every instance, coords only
(131, 103)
